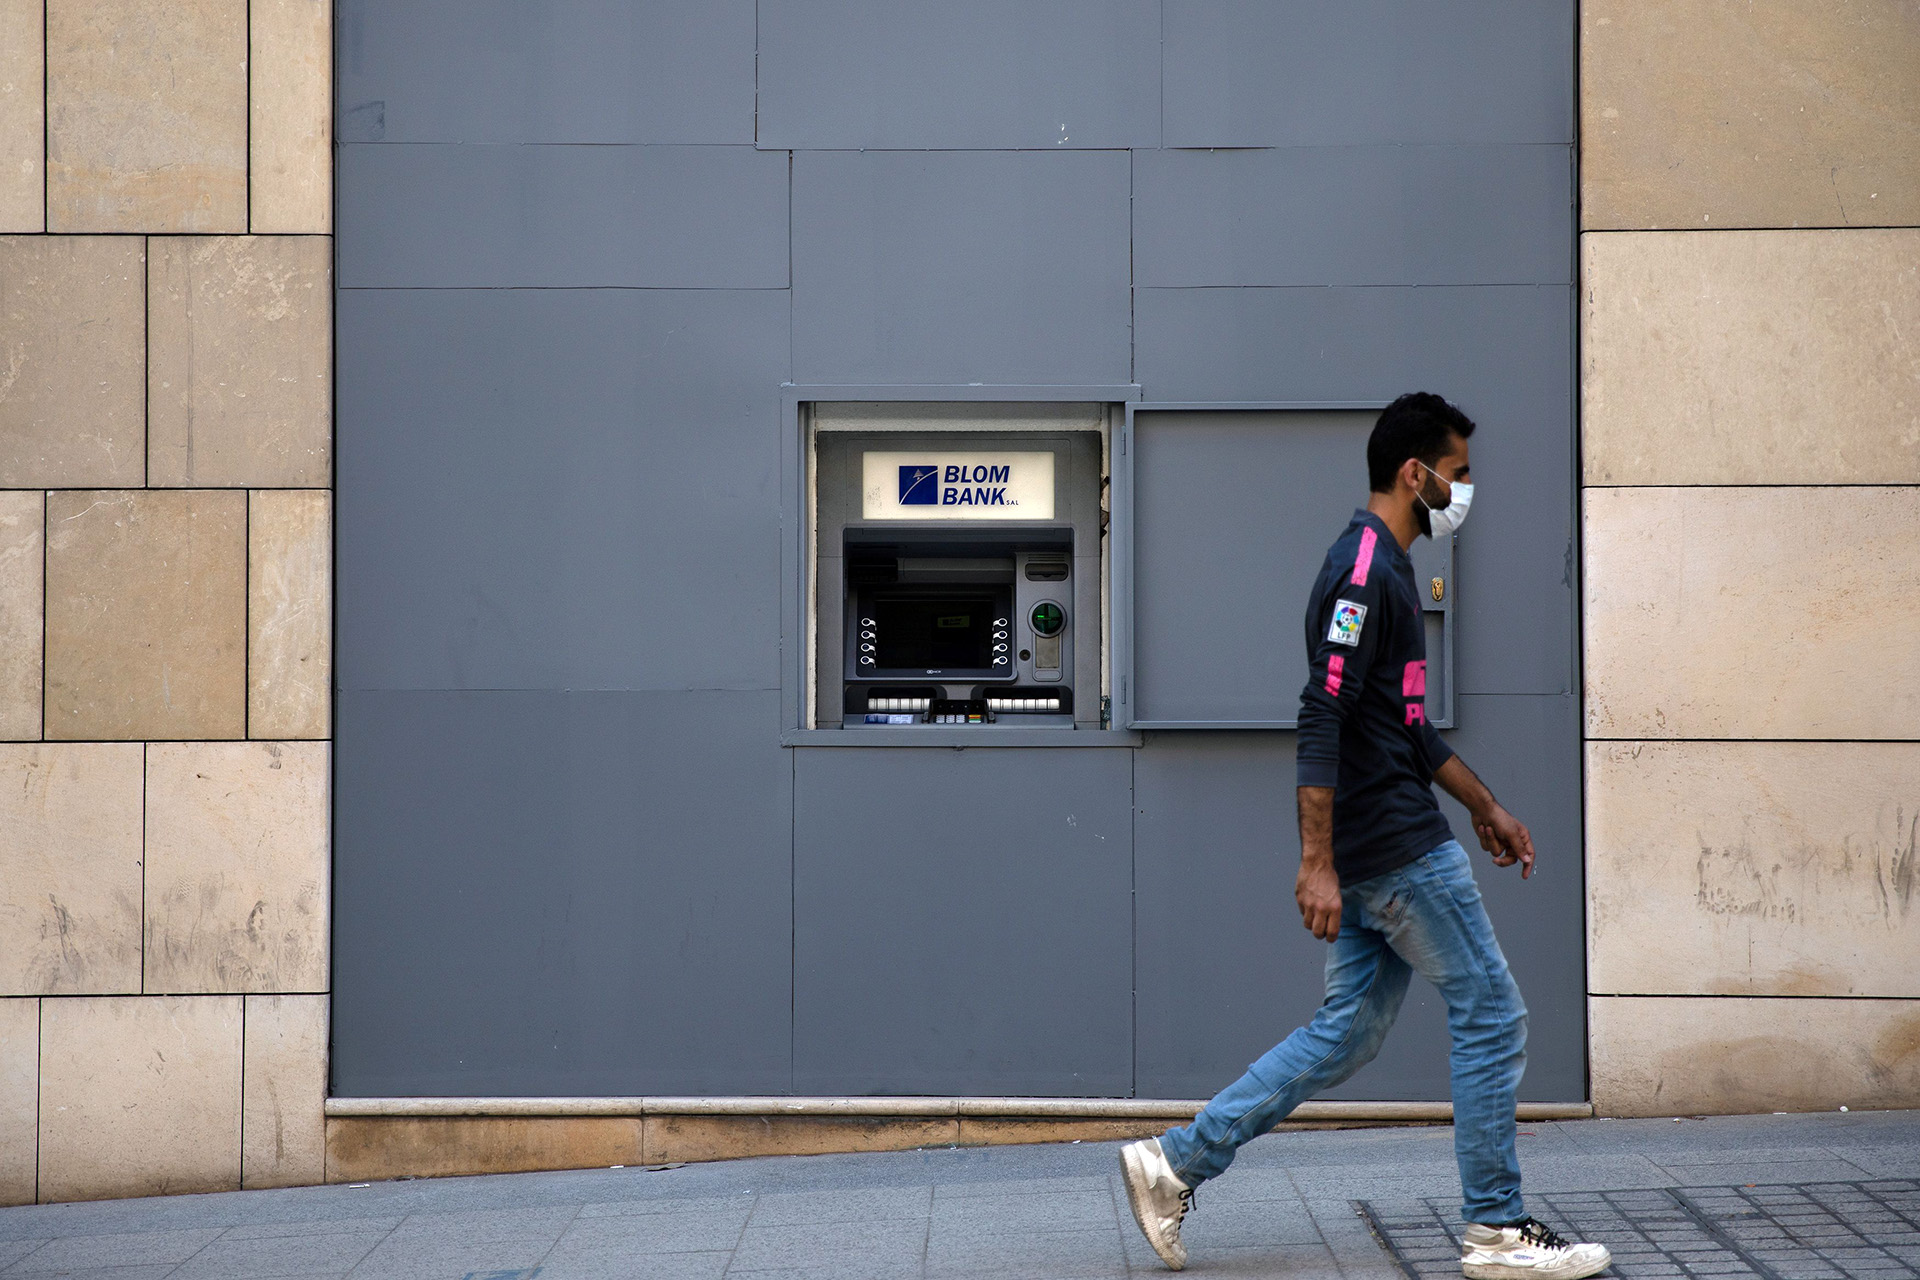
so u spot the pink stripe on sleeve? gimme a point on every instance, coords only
(1335, 665)
(1364, 561)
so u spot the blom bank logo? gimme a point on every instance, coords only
(981, 485)
(1011, 485)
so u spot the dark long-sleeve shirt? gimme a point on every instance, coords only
(1363, 714)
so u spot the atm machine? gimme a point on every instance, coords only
(958, 579)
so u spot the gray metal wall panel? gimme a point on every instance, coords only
(1504, 352)
(965, 74)
(545, 70)
(1277, 73)
(555, 893)
(1354, 216)
(639, 217)
(955, 267)
(1217, 621)
(570, 892)
(1225, 969)
(963, 922)
(559, 489)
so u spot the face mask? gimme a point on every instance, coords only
(1442, 520)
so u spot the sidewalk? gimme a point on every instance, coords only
(1286, 1209)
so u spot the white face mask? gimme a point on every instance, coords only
(1442, 520)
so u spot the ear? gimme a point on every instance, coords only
(1411, 473)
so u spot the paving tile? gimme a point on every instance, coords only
(619, 1263)
(1069, 1211)
(1021, 1187)
(633, 1208)
(864, 1270)
(483, 1226)
(1040, 1255)
(149, 1271)
(141, 1248)
(658, 1233)
(11, 1251)
(1232, 1225)
(442, 1261)
(331, 1252)
(311, 1227)
(871, 1204)
(867, 1246)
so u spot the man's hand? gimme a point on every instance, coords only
(1501, 834)
(1505, 837)
(1317, 890)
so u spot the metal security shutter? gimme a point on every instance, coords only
(1222, 517)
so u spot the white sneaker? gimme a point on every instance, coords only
(1526, 1251)
(1159, 1199)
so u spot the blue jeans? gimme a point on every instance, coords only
(1425, 917)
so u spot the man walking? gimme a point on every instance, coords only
(1383, 879)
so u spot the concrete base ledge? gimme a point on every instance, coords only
(369, 1139)
(1022, 1108)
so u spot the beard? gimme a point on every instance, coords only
(1429, 502)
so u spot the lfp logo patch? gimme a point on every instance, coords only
(1348, 618)
(920, 486)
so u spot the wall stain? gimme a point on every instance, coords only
(1789, 883)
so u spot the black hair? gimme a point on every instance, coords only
(1418, 425)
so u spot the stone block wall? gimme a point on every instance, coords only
(1750, 262)
(165, 594)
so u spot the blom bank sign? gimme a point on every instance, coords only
(957, 486)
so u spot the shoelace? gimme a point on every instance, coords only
(1534, 1231)
(1187, 1204)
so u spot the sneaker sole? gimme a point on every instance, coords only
(1500, 1271)
(1135, 1179)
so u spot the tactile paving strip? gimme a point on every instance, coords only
(1822, 1231)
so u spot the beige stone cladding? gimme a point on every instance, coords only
(290, 136)
(289, 613)
(72, 361)
(22, 612)
(147, 115)
(1750, 302)
(283, 1098)
(236, 867)
(23, 108)
(1713, 612)
(19, 1101)
(1749, 113)
(146, 614)
(1667, 1056)
(1752, 358)
(1754, 868)
(71, 871)
(239, 359)
(165, 574)
(139, 1095)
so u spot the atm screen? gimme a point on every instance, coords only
(945, 629)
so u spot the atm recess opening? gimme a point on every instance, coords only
(958, 578)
